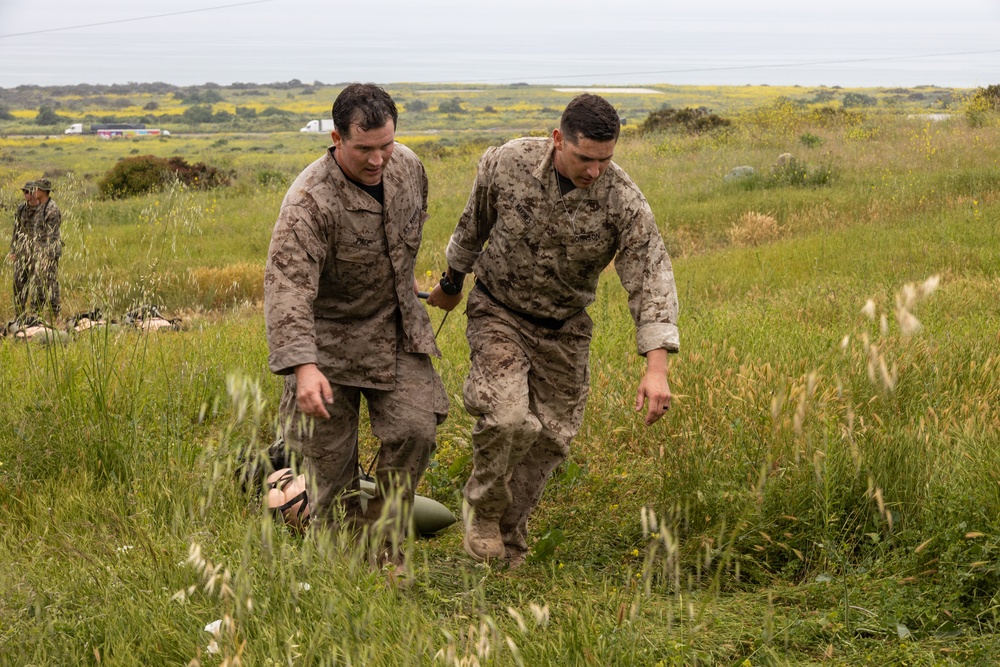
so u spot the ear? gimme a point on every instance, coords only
(557, 139)
(337, 139)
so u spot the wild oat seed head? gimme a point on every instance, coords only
(929, 286)
(908, 323)
(869, 309)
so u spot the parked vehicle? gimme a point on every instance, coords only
(320, 125)
(114, 130)
(120, 134)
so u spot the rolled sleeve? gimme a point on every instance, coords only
(460, 258)
(658, 336)
(646, 273)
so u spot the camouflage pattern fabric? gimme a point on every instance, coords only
(338, 292)
(37, 246)
(340, 274)
(545, 253)
(404, 420)
(543, 257)
(528, 385)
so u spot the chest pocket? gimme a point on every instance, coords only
(354, 247)
(412, 230)
(588, 254)
(359, 263)
(513, 223)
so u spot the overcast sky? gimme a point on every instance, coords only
(842, 42)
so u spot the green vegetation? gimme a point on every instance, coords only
(687, 120)
(442, 108)
(826, 486)
(142, 174)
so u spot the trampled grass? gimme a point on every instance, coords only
(825, 486)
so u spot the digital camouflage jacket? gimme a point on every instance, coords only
(338, 285)
(36, 238)
(544, 253)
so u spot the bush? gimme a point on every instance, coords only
(788, 172)
(271, 178)
(5, 113)
(201, 113)
(991, 95)
(810, 140)
(858, 100)
(147, 173)
(193, 96)
(454, 105)
(687, 119)
(416, 106)
(981, 104)
(136, 175)
(275, 111)
(47, 116)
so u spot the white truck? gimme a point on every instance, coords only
(320, 125)
(113, 130)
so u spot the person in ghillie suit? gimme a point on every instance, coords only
(35, 249)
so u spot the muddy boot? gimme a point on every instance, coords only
(514, 557)
(482, 536)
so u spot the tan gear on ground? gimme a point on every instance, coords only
(286, 496)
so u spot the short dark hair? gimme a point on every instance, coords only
(590, 116)
(363, 104)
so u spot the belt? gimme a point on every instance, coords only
(544, 322)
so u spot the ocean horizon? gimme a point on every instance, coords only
(853, 44)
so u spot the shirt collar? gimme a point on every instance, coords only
(354, 198)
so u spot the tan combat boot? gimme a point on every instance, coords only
(482, 536)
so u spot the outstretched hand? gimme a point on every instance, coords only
(654, 387)
(313, 393)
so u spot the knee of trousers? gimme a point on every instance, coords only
(418, 433)
(514, 421)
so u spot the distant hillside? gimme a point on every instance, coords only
(515, 108)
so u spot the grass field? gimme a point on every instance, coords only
(825, 488)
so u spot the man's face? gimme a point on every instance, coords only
(364, 155)
(34, 197)
(583, 161)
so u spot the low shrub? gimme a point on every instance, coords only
(147, 173)
(269, 178)
(695, 121)
(788, 172)
(810, 140)
(859, 100)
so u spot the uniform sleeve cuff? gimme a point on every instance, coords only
(459, 258)
(284, 360)
(658, 336)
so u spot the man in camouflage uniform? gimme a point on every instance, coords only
(343, 318)
(35, 249)
(552, 214)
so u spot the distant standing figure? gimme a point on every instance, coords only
(35, 249)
